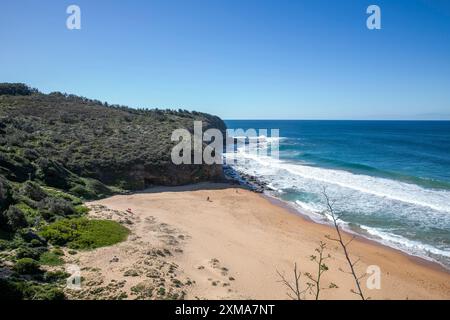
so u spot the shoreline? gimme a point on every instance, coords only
(228, 242)
(254, 184)
(414, 258)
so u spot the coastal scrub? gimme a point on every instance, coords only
(82, 233)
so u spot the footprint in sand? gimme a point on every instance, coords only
(218, 274)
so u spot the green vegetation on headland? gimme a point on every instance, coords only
(58, 150)
(84, 146)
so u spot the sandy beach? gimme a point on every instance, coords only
(216, 241)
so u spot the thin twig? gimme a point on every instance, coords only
(330, 210)
(294, 288)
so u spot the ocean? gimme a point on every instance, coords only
(390, 180)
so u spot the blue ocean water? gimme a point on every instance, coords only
(390, 179)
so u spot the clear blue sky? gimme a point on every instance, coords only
(238, 58)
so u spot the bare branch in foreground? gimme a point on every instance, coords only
(351, 264)
(295, 293)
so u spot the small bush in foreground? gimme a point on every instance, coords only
(32, 253)
(9, 290)
(26, 290)
(81, 210)
(56, 276)
(82, 233)
(27, 266)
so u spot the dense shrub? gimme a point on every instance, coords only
(30, 154)
(31, 214)
(14, 167)
(4, 244)
(56, 276)
(32, 253)
(81, 210)
(14, 219)
(82, 233)
(33, 191)
(58, 252)
(41, 292)
(53, 174)
(15, 289)
(5, 194)
(9, 290)
(81, 191)
(28, 235)
(91, 189)
(55, 193)
(18, 89)
(35, 243)
(57, 207)
(27, 266)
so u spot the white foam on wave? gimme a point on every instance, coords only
(408, 204)
(404, 244)
(309, 208)
(386, 238)
(389, 239)
(438, 200)
(317, 214)
(380, 187)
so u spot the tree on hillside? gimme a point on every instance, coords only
(16, 89)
